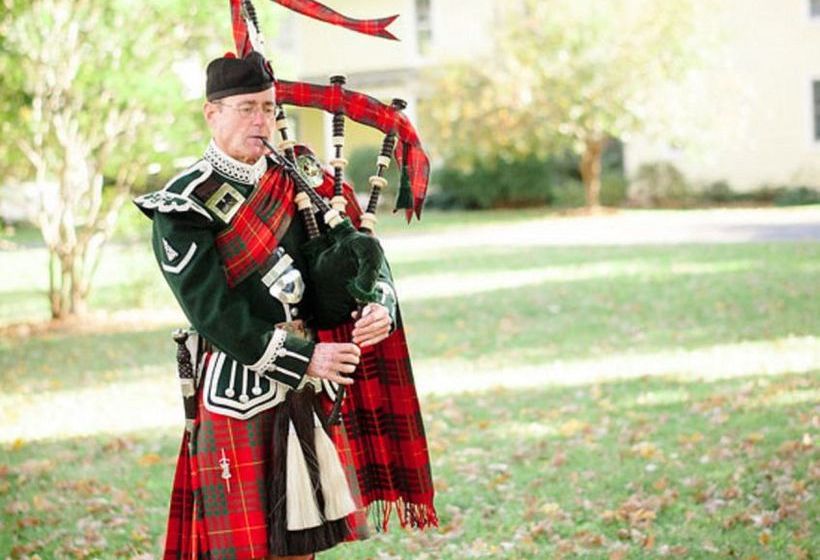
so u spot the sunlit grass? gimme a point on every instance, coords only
(113, 398)
(713, 468)
(564, 389)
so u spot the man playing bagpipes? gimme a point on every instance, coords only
(263, 472)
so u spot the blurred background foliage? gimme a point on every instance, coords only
(103, 58)
(96, 101)
(567, 76)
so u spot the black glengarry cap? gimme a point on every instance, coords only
(229, 75)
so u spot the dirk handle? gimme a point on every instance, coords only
(187, 379)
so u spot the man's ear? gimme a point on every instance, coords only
(208, 110)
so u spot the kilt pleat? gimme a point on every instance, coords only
(223, 483)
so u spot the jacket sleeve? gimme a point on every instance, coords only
(387, 293)
(185, 248)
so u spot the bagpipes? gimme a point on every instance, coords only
(380, 418)
(344, 263)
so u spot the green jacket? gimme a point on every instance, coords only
(260, 360)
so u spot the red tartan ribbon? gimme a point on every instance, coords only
(371, 112)
(317, 10)
(314, 10)
(366, 110)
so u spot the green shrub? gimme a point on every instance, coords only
(498, 183)
(660, 185)
(718, 192)
(361, 164)
(526, 181)
(613, 188)
(569, 194)
(796, 196)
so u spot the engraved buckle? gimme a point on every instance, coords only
(225, 202)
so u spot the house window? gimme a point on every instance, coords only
(814, 8)
(424, 26)
(816, 105)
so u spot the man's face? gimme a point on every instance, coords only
(237, 122)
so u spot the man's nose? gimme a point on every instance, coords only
(259, 118)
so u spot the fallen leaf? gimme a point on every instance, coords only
(43, 503)
(149, 459)
(24, 522)
(618, 554)
(798, 553)
(17, 507)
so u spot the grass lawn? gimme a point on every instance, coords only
(656, 402)
(639, 469)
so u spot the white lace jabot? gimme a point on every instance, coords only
(234, 169)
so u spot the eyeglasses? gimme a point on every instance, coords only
(248, 110)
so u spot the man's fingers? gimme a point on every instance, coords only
(347, 348)
(371, 313)
(372, 341)
(346, 368)
(341, 380)
(378, 330)
(346, 358)
(366, 311)
(373, 319)
(373, 327)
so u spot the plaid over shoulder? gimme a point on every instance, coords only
(254, 232)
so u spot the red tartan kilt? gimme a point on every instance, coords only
(207, 519)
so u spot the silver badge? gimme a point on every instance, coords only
(225, 202)
(284, 281)
(310, 170)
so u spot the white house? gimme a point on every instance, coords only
(755, 113)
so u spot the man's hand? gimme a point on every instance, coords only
(373, 326)
(331, 359)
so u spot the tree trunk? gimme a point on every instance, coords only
(590, 168)
(54, 285)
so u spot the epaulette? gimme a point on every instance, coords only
(175, 196)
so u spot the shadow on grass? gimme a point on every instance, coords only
(82, 360)
(663, 307)
(525, 474)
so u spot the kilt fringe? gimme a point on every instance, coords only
(410, 515)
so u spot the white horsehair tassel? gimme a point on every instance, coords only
(335, 489)
(303, 511)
